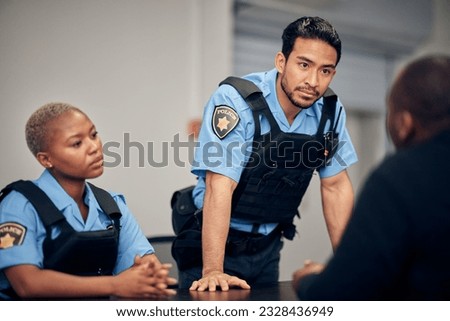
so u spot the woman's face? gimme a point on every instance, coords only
(73, 147)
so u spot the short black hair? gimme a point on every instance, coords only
(310, 28)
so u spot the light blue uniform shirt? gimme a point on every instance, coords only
(16, 208)
(229, 155)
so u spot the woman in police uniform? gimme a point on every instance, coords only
(66, 143)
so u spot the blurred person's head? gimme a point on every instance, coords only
(419, 101)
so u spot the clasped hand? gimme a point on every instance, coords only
(147, 278)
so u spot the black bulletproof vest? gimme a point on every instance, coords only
(78, 253)
(281, 164)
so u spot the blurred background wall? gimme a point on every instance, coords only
(141, 69)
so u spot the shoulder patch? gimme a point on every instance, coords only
(11, 234)
(224, 120)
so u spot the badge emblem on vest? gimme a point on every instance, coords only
(224, 120)
(11, 234)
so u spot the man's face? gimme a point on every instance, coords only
(306, 74)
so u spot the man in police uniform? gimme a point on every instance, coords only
(237, 249)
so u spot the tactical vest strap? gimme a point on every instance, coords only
(49, 213)
(254, 98)
(244, 87)
(38, 199)
(108, 204)
(328, 111)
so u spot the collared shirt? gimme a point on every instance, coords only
(15, 208)
(229, 155)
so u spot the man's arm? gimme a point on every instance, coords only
(337, 202)
(216, 223)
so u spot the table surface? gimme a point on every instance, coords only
(281, 292)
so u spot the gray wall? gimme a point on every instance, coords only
(140, 69)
